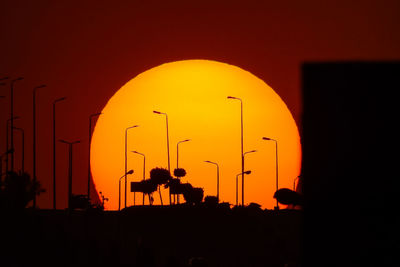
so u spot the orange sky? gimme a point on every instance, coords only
(87, 50)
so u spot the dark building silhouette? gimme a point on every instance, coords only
(349, 171)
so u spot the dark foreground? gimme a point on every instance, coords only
(152, 236)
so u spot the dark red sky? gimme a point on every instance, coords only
(86, 51)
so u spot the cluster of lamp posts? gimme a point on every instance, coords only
(10, 143)
(242, 173)
(10, 148)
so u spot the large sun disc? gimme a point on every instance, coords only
(193, 94)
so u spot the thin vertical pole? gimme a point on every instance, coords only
(70, 178)
(217, 183)
(276, 156)
(126, 165)
(12, 124)
(54, 157)
(34, 143)
(241, 119)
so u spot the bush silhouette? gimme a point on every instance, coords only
(18, 190)
(179, 172)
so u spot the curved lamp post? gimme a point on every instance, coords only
(169, 165)
(237, 185)
(119, 188)
(166, 118)
(177, 151)
(144, 171)
(216, 164)
(276, 164)
(126, 159)
(241, 135)
(34, 137)
(11, 118)
(7, 145)
(244, 155)
(90, 141)
(54, 149)
(23, 147)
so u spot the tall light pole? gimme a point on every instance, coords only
(177, 151)
(54, 150)
(276, 165)
(216, 164)
(90, 141)
(244, 155)
(34, 137)
(23, 147)
(144, 168)
(119, 188)
(126, 158)
(241, 135)
(237, 185)
(70, 144)
(169, 166)
(166, 117)
(12, 118)
(7, 145)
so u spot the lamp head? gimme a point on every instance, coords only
(247, 172)
(60, 99)
(266, 138)
(18, 79)
(157, 112)
(130, 172)
(40, 86)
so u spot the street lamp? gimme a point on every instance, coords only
(241, 134)
(166, 117)
(12, 118)
(7, 145)
(119, 188)
(242, 173)
(244, 154)
(144, 171)
(90, 141)
(276, 164)
(70, 144)
(54, 149)
(216, 164)
(34, 137)
(126, 158)
(169, 166)
(23, 147)
(177, 151)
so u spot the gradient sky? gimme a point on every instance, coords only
(87, 51)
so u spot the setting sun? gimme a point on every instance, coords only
(193, 93)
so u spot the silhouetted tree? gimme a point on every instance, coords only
(288, 197)
(160, 176)
(18, 190)
(179, 172)
(193, 195)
